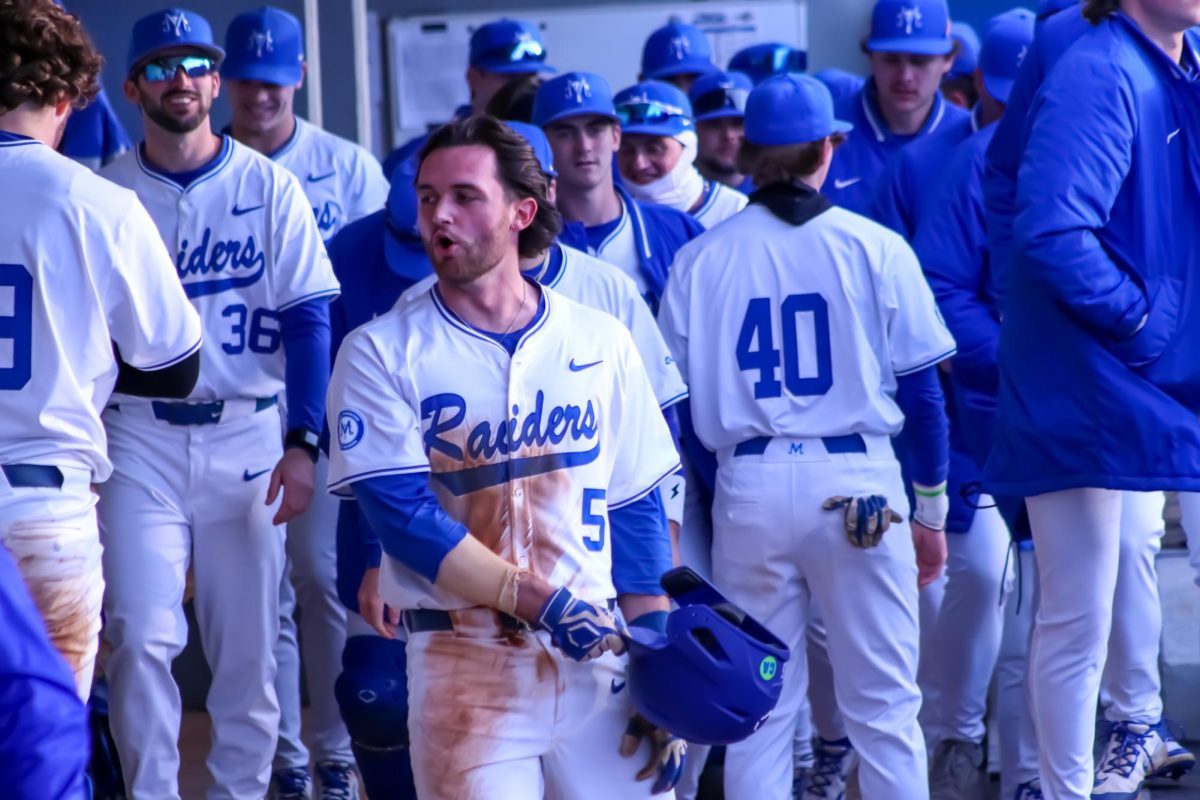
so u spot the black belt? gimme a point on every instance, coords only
(200, 413)
(425, 620)
(32, 476)
(850, 443)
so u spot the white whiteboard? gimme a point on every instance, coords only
(428, 54)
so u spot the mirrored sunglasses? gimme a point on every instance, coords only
(641, 113)
(165, 69)
(721, 100)
(525, 50)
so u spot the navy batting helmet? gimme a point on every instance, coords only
(715, 676)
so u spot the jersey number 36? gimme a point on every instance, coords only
(804, 319)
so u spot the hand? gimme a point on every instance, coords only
(579, 629)
(371, 607)
(673, 527)
(295, 474)
(931, 553)
(667, 753)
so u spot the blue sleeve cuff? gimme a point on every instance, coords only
(306, 341)
(926, 428)
(641, 545)
(411, 525)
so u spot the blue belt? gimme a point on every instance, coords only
(200, 413)
(850, 443)
(32, 476)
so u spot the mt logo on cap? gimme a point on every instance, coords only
(578, 89)
(176, 23)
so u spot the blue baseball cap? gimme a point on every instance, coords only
(911, 26)
(676, 49)
(402, 248)
(538, 141)
(167, 29)
(509, 47)
(574, 94)
(720, 94)
(266, 45)
(761, 61)
(654, 108)
(791, 109)
(1048, 7)
(967, 60)
(1005, 42)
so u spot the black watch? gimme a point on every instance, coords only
(306, 440)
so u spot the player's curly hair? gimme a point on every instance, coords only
(519, 172)
(767, 165)
(1094, 11)
(45, 56)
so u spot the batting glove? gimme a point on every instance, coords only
(667, 753)
(867, 518)
(579, 629)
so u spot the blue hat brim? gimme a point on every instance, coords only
(694, 67)
(840, 126)
(998, 88)
(917, 46)
(265, 73)
(721, 114)
(669, 129)
(210, 50)
(577, 112)
(515, 67)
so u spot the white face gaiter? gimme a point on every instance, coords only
(681, 187)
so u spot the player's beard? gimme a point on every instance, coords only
(474, 260)
(174, 124)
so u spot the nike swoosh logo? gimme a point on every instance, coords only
(237, 212)
(840, 184)
(581, 367)
(1173, 134)
(472, 479)
(617, 687)
(248, 476)
(317, 178)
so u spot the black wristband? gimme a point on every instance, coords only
(306, 440)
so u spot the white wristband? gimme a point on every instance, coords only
(933, 506)
(674, 489)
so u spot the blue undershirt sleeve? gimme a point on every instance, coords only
(306, 339)
(926, 427)
(641, 545)
(411, 525)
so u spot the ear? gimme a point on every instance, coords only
(303, 76)
(129, 89)
(616, 132)
(216, 79)
(524, 212)
(62, 108)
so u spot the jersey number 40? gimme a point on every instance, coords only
(16, 327)
(804, 319)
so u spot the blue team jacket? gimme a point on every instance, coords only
(1099, 374)
(859, 163)
(1055, 33)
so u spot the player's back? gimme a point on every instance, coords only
(60, 288)
(798, 331)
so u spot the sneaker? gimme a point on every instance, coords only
(291, 784)
(832, 765)
(337, 780)
(1170, 759)
(1030, 790)
(956, 771)
(1122, 769)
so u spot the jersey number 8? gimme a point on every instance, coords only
(756, 346)
(16, 327)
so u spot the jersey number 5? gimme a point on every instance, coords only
(16, 327)
(591, 518)
(756, 346)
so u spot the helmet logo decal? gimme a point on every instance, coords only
(768, 668)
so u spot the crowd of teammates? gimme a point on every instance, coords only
(897, 367)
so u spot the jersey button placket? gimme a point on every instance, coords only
(516, 495)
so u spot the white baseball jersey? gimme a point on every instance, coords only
(343, 181)
(798, 331)
(246, 248)
(81, 266)
(598, 284)
(528, 452)
(620, 248)
(718, 203)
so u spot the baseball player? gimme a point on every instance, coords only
(263, 69)
(658, 153)
(760, 61)
(494, 517)
(719, 105)
(503, 53)
(910, 51)
(798, 378)
(1089, 310)
(677, 53)
(207, 482)
(81, 270)
(962, 632)
(958, 87)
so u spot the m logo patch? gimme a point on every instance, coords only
(350, 429)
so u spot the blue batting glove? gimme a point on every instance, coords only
(579, 629)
